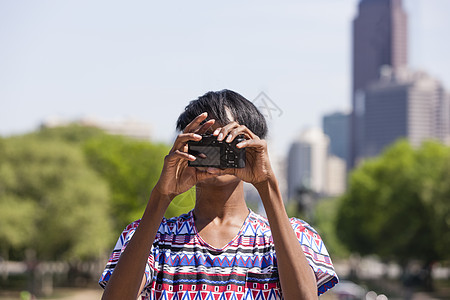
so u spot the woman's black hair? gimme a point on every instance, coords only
(216, 103)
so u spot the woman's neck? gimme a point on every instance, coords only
(220, 203)
(219, 213)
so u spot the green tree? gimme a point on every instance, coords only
(132, 169)
(129, 167)
(397, 205)
(51, 201)
(434, 160)
(325, 223)
(73, 133)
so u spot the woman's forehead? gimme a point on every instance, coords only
(229, 114)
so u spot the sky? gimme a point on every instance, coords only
(145, 60)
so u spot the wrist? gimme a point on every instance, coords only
(270, 181)
(160, 196)
(270, 194)
(269, 190)
(156, 206)
(162, 189)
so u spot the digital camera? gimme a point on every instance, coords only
(210, 152)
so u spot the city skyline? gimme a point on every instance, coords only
(379, 38)
(390, 100)
(410, 104)
(147, 61)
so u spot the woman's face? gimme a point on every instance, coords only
(219, 180)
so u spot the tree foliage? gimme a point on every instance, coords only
(132, 169)
(325, 221)
(51, 201)
(73, 134)
(66, 192)
(397, 204)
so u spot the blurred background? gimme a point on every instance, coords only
(356, 94)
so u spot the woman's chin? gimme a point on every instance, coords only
(220, 180)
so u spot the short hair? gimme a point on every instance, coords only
(215, 104)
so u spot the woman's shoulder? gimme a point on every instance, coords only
(167, 224)
(180, 218)
(295, 222)
(261, 223)
(301, 225)
(181, 224)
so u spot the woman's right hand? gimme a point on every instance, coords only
(176, 176)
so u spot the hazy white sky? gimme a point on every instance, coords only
(147, 59)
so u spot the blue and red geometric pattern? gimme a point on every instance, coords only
(183, 266)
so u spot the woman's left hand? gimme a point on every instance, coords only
(257, 166)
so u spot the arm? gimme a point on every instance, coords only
(128, 280)
(296, 275)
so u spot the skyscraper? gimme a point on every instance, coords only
(307, 163)
(379, 38)
(405, 104)
(312, 169)
(336, 127)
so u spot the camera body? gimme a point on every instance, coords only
(219, 154)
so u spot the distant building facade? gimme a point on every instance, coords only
(405, 104)
(307, 162)
(311, 168)
(336, 176)
(128, 127)
(379, 38)
(337, 127)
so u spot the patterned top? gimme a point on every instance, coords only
(182, 266)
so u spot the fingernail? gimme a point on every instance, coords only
(220, 137)
(197, 136)
(229, 139)
(216, 132)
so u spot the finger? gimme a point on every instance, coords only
(205, 126)
(222, 132)
(182, 140)
(252, 143)
(217, 131)
(182, 155)
(195, 123)
(241, 130)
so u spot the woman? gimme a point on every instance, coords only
(220, 249)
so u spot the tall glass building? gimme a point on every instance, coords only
(379, 39)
